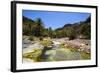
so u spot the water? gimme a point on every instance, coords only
(54, 53)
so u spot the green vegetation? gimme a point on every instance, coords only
(53, 49)
(86, 30)
(36, 28)
(71, 33)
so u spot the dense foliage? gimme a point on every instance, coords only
(36, 28)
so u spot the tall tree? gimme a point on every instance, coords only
(39, 27)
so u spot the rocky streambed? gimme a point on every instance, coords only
(55, 50)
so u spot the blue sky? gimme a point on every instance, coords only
(56, 19)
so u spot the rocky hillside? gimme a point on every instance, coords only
(37, 28)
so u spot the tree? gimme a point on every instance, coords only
(86, 30)
(50, 32)
(27, 26)
(71, 33)
(45, 33)
(38, 28)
